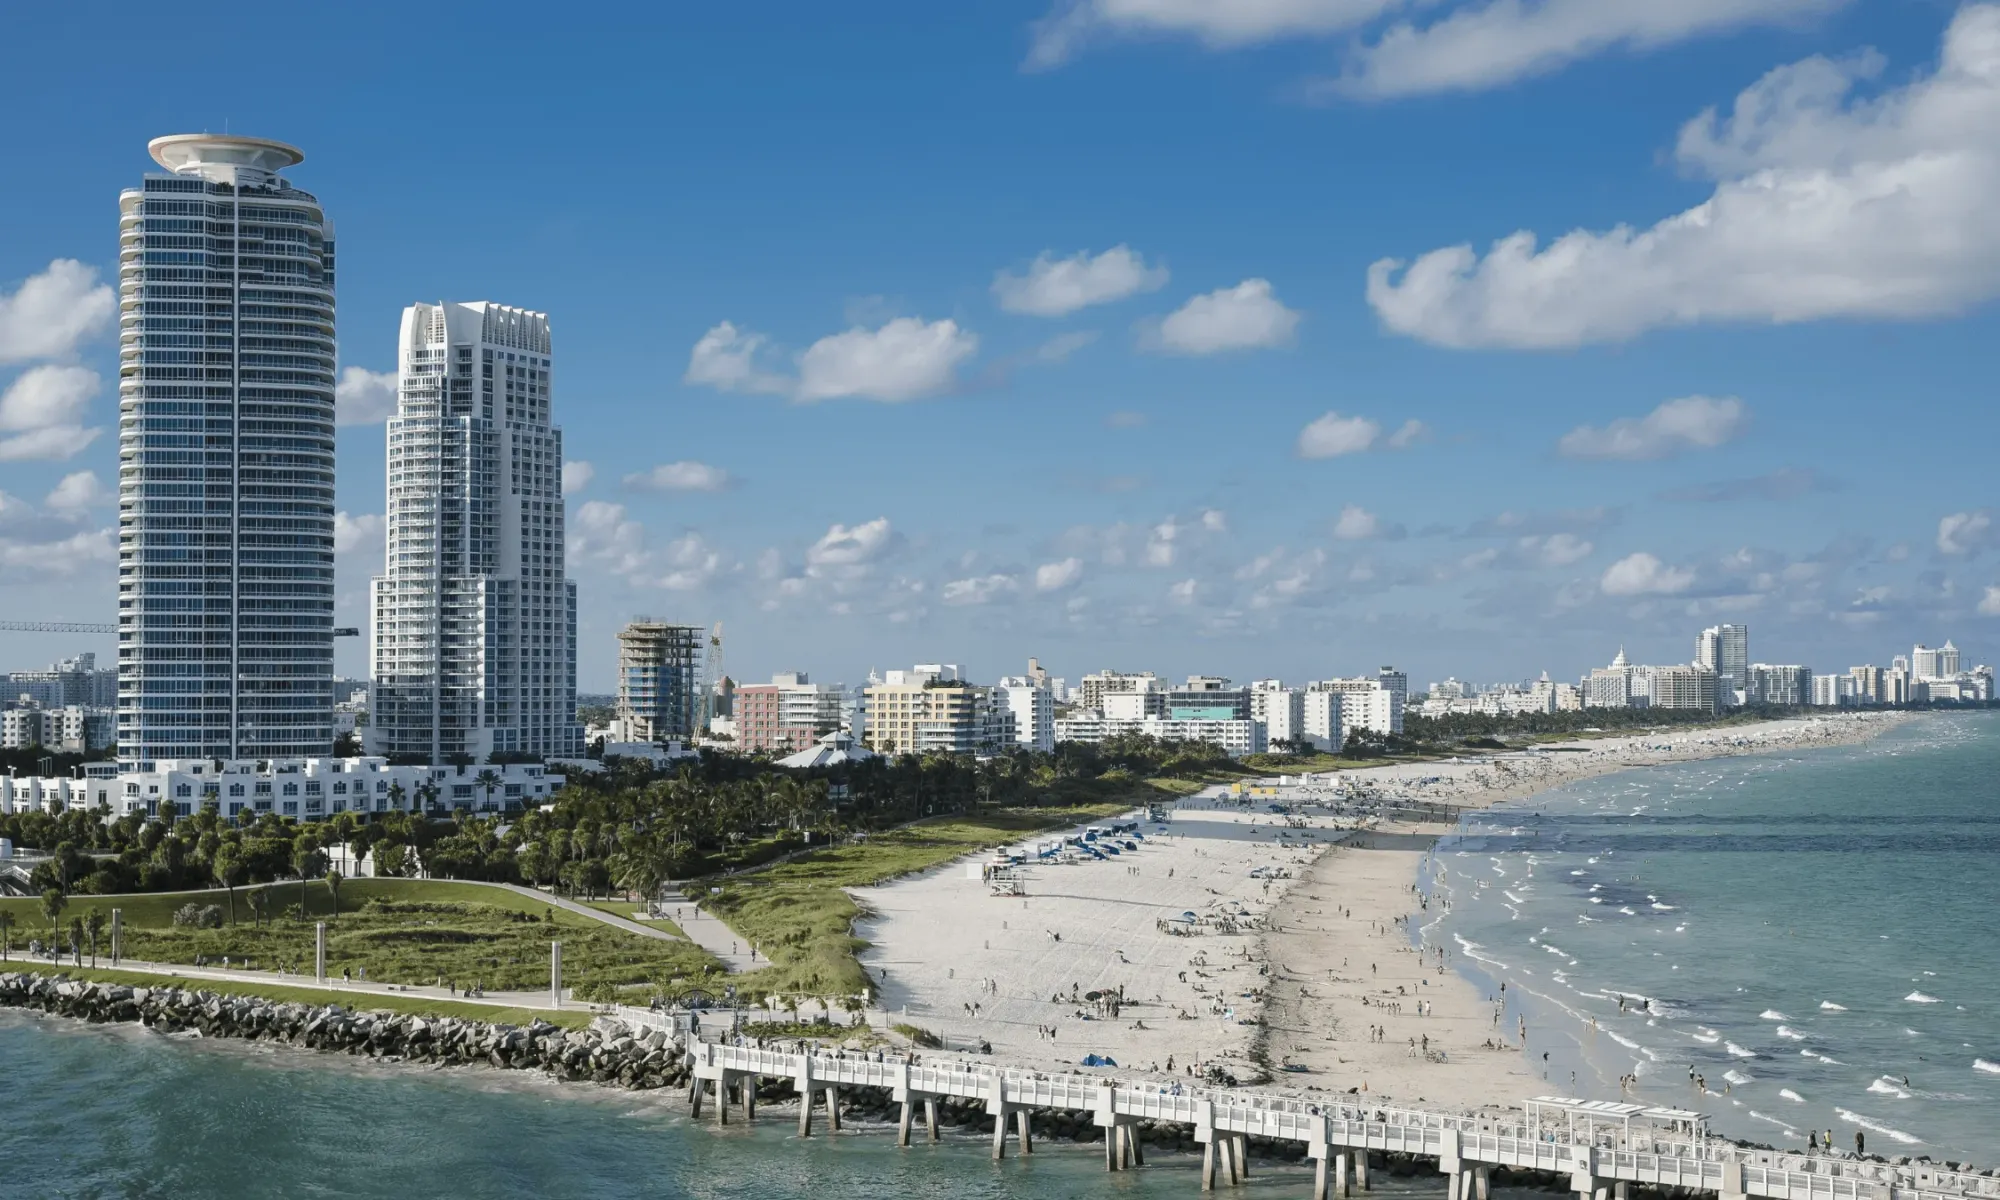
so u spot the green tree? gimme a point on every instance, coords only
(333, 881)
(53, 904)
(487, 780)
(6, 933)
(227, 867)
(260, 906)
(93, 926)
(308, 860)
(76, 939)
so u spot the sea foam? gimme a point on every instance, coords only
(1920, 998)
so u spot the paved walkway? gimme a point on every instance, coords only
(334, 985)
(707, 931)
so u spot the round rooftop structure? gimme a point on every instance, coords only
(187, 153)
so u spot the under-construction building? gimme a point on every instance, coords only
(661, 692)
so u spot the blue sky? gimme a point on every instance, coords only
(898, 331)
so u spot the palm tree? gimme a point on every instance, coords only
(76, 939)
(227, 867)
(333, 879)
(6, 933)
(93, 926)
(53, 904)
(487, 779)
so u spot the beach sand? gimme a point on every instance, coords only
(1318, 956)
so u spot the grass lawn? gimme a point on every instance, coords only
(400, 931)
(625, 909)
(799, 914)
(365, 1002)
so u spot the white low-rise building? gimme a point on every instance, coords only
(1034, 709)
(1235, 738)
(307, 789)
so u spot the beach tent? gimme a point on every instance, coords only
(1099, 1060)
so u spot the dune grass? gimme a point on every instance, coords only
(800, 915)
(418, 1006)
(397, 930)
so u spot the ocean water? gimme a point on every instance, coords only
(1815, 934)
(117, 1111)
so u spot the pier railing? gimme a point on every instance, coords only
(1344, 1125)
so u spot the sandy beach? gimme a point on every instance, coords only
(1300, 952)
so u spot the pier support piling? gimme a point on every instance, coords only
(833, 1110)
(930, 1117)
(1138, 1151)
(1023, 1132)
(1482, 1183)
(903, 1125)
(1320, 1173)
(722, 1099)
(695, 1089)
(1343, 1165)
(1208, 1165)
(1243, 1157)
(1361, 1169)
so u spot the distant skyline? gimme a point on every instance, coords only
(1264, 340)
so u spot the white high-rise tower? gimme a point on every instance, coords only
(225, 457)
(1725, 650)
(474, 621)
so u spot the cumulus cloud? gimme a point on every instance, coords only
(849, 547)
(683, 476)
(1184, 591)
(980, 589)
(1334, 435)
(1074, 23)
(1356, 523)
(1965, 532)
(904, 359)
(1408, 434)
(1054, 287)
(688, 564)
(1989, 604)
(1825, 206)
(726, 359)
(1485, 45)
(1055, 576)
(364, 397)
(1643, 574)
(602, 534)
(53, 313)
(77, 492)
(1248, 316)
(357, 534)
(1689, 423)
(77, 554)
(576, 476)
(1556, 549)
(43, 411)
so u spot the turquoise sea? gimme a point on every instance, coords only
(1816, 934)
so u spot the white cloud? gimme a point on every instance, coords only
(903, 360)
(981, 589)
(1217, 23)
(1214, 520)
(353, 534)
(1184, 591)
(1408, 434)
(601, 533)
(691, 564)
(1965, 532)
(78, 491)
(1557, 549)
(1689, 423)
(1989, 604)
(1826, 206)
(44, 410)
(364, 397)
(1160, 548)
(844, 546)
(1248, 316)
(1333, 435)
(1643, 574)
(1061, 346)
(1356, 524)
(576, 476)
(78, 554)
(683, 476)
(726, 359)
(1481, 46)
(52, 313)
(1054, 287)
(1055, 576)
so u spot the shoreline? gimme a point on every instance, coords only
(1244, 941)
(1389, 883)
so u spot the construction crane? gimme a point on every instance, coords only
(96, 627)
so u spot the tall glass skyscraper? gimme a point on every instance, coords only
(225, 457)
(474, 620)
